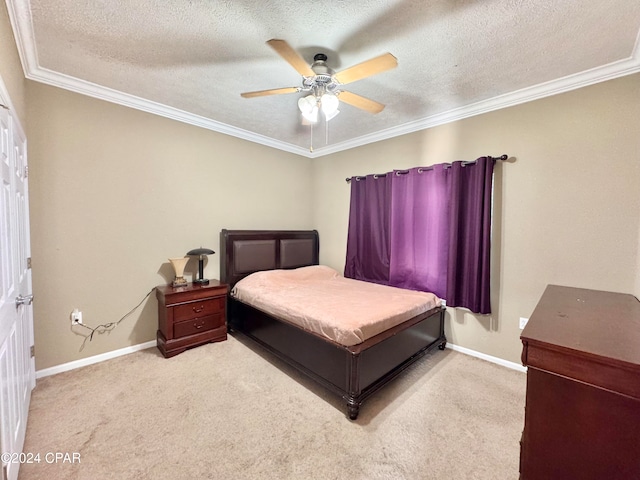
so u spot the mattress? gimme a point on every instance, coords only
(318, 299)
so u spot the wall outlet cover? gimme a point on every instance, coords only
(76, 316)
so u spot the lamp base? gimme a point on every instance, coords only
(201, 281)
(179, 282)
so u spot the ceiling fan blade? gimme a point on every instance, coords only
(366, 69)
(290, 55)
(361, 102)
(273, 91)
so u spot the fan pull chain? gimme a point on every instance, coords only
(326, 132)
(311, 141)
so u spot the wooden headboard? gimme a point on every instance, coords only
(246, 251)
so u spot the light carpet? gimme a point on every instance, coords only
(230, 410)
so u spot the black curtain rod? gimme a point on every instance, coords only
(400, 172)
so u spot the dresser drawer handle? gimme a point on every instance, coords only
(198, 309)
(200, 325)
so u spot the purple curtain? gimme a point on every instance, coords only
(468, 269)
(368, 238)
(419, 229)
(425, 229)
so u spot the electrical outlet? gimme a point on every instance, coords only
(76, 316)
(523, 322)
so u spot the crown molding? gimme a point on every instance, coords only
(20, 17)
(603, 73)
(21, 23)
(83, 87)
(22, 26)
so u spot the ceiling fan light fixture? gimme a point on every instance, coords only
(311, 116)
(324, 84)
(309, 108)
(329, 104)
(307, 104)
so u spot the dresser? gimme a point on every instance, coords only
(582, 413)
(190, 316)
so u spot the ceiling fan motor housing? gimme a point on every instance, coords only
(319, 66)
(323, 80)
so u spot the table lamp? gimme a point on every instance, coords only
(178, 267)
(201, 253)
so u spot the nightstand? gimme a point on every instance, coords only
(190, 316)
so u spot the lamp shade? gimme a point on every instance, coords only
(201, 251)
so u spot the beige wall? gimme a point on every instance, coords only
(115, 192)
(10, 67)
(566, 210)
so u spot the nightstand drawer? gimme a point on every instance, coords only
(198, 309)
(198, 325)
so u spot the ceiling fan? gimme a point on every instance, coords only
(324, 84)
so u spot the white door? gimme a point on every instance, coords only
(17, 366)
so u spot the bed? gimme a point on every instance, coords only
(354, 371)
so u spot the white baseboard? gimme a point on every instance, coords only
(65, 367)
(488, 358)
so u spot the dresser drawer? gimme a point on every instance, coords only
(198, 309)
(198, 325)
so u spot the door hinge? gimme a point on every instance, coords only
(26, 171)
(33, 351)
(28, 262)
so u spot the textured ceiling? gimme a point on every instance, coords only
(190, 60)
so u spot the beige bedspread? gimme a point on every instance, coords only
(319, 299)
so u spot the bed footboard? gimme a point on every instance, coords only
(390, 353)
(354, 373)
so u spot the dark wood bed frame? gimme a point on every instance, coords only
(355, 373)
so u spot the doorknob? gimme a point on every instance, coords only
(24, 300)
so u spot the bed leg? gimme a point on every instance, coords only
(354, 410)
(443, 345)
(353, 407)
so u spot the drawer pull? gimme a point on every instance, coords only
(198, 309)
(198, 325)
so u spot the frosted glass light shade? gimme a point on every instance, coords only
(307, 104)
(309, 108)
(329, 104)
(311, 116)
(329, 116)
